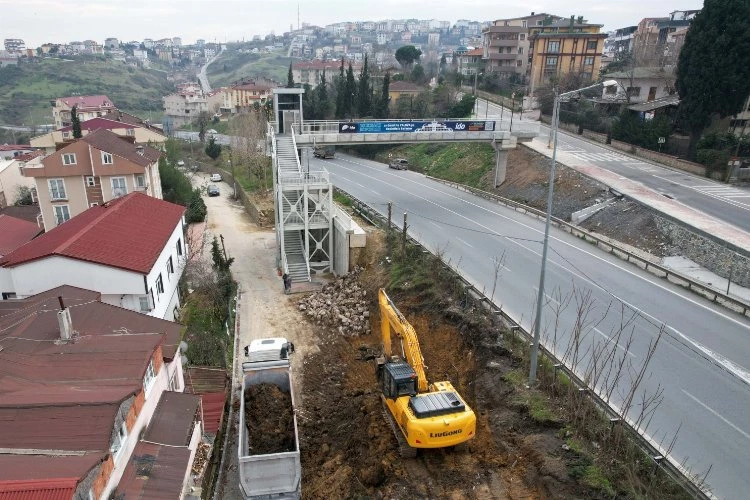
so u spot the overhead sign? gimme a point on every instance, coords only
(415, 126)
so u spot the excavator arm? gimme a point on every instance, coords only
(391, 318)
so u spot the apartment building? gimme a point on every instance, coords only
(244, 96)
(310, 72)
(564, 46)
(185, 105)
(106, 383)
(52, 141)
(14, 46)
(11, 180)
(620, 41)
(131, 250)
(95, 169)
(506, 45)
(87, 107)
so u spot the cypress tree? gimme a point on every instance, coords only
(290, 78)
(350, 93)
(76, 123)
(364, 103)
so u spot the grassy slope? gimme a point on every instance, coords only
(232, 65)
(26, 90)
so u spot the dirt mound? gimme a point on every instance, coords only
(269, 419)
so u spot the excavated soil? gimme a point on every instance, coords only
(268, 416)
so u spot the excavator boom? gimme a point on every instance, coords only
(391, 318)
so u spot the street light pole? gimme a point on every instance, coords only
(554, 126)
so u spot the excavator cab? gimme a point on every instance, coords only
(397, 379)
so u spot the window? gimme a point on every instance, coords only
(66, 135)
(69, 159)
(62, 213)
(159, 285)
(144, 303)
(9, 295)
(523, 35)
(149, 377)
(611, 90)
(130, 132)
(140, 181)
(519, 63)
(170, 266)
(118, 443)
(119, 188)
(588, 61)
(179, 246)
(106, 158)
(552, 61)
(90, 181)
(553, 46)
(520, 50)
(591, 45)
(57, 189)
(634, 91)
(524, 24)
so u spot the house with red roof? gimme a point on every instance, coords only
(55, 139)
(10, 151)
(95, 169)
(86, 390)
(131, 250)
(15, 232)
(87, 107)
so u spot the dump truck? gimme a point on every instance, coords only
(324, 152)
(269, 458)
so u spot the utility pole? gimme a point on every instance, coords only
(223, 249)
(403, 238)
(388, 230)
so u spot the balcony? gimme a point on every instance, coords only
(495, 56)
(504, 43)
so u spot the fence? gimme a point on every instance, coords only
(674, 470)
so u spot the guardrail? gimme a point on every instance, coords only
(670, 275)
(657, 455)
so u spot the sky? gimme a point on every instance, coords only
(57, 21)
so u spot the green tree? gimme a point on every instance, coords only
(322, 93)
(418, 75)
(364, 102)
(203, 120)
(76, 123)
(443, 65)
(175, 186)
(350, 93)
(713, 77)
(213, 150)
(340, 86)
(408, 55)
(196, 208)
(220, 261)
(290, 78)
(385, 98)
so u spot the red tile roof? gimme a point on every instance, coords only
(14, 147)
(46, 489)
(104, 140)
(28, 213)
(402, 86)
(128, 233)
(32, 468)
(475, 52)
(154, 472)
(87, 101)
(15, 233)
(97, 123)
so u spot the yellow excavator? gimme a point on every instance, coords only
(422, 415)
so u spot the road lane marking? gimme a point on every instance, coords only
(616, 343)
(717, 414)
(541, 231)
(465, 243)
(743, 206)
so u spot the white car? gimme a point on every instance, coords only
(212, 131)
(215, 178)
(180, 163)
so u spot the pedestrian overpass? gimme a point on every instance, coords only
(303, 198)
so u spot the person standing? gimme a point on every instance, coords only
(287, 282)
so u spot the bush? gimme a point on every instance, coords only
(213, 150)
(196, 209)
(175, 186)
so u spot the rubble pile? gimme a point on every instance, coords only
(341, 304)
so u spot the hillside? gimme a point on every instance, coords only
(233, 65)
(26, 90)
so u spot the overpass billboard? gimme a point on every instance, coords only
(380, 127)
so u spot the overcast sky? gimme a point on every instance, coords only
(40, 21)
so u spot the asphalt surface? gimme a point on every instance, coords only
(730, 204)
(701, 367)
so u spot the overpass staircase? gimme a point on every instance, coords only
(303, 202)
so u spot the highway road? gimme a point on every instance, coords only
(701, 366)
(727, 203)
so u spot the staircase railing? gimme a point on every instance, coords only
(296, 156)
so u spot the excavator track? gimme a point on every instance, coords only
(404, 449)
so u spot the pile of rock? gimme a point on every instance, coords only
(341, 304)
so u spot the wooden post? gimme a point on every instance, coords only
(388, 232)
(403, 237)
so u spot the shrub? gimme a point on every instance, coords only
(196, 208)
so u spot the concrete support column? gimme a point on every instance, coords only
(501, 165)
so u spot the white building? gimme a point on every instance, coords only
(11, 179)
(131, 250)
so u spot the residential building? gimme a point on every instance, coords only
(471, 62)
(103, 377)
(383, 37)
(658, 41)
(14, 46)
(310, 72)
(93, 170)
(51, 141)
(620, 41)
(6, 61)
(87, 107)
(433, 39)
(642, 84)
(176, 41)
(111, 43)
(184, 106)
(15, 233)
(506, 46)
(399, 89)
(740, 123)
(130, 250)
(244, 96)
(10, 151)
(200, 43)
(565, 46)
(11, 180)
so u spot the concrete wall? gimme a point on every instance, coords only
(165, 303)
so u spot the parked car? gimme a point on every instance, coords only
(324, 151)
(211, 131)
(399, 163)
(213, 190)
(215, 178)
(180, 163)
(195, 168)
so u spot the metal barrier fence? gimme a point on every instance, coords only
(657, 455)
